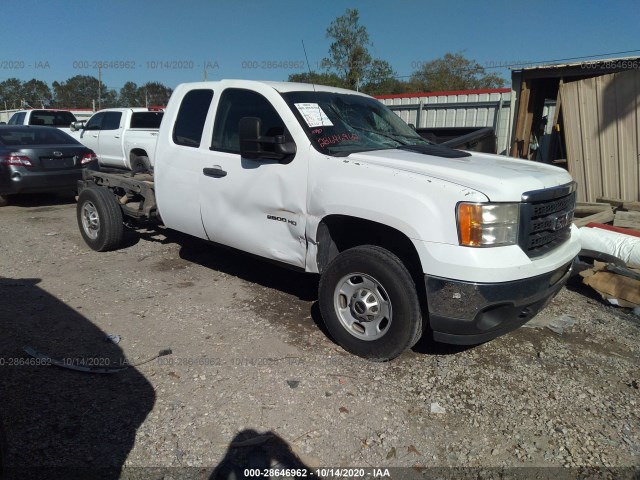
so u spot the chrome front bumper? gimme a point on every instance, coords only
(466, 313)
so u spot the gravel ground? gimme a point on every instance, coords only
(254, 380)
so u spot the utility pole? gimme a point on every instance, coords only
(99, 86)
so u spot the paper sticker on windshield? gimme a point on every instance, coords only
(313, 115)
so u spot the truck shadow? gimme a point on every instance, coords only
(249, 268)
(256, 270)
(301, 285)
(59, 423)
(428, 346)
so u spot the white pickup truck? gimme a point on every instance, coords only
(61, 119)
(408, 237)
(121, 137)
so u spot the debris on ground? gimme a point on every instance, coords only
(619, 286)
(560, 324)
(112, 337)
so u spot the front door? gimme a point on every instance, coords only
(90, 135)
(258, 206)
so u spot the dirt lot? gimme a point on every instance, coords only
(254, 380)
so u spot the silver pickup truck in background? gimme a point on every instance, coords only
(121, 137)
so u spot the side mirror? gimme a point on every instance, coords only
(76, 126)
(254, 147)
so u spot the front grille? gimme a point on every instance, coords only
(545, 219)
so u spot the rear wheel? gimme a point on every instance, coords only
(369, 303)
(4, 200)
(100, 219)
(141, 164)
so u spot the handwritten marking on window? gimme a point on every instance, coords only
(338, 138)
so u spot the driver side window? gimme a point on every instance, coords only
(95, 122)
(236, 104)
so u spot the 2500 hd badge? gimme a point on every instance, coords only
(282, 219)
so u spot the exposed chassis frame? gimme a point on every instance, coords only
(133, 184)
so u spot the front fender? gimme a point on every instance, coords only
(420, 207)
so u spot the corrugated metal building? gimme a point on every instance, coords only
(595, 127)
(464, 108)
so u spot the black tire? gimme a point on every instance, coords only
(141, 164)
(99, 219)
(4, 200)
(360, 271)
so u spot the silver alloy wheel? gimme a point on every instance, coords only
(363, 306)
(90, 220)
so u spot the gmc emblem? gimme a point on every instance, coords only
(562, 221)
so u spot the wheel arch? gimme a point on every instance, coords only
(137, 152)
(337, 233)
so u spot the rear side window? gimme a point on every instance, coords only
(236, 104)
(111, 121)
(146, 119)
(191, 117)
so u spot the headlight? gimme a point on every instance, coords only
(488, 224)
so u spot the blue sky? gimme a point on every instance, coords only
(171, 42)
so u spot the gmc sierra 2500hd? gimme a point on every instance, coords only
(408, 237)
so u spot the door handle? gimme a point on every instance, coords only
(117, 136)
(215, 172)
(95, 135)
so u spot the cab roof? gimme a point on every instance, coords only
(282, 87)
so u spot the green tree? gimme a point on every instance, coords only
(80, 92)
(36, 93)
(109, 98)
(453, 72)
(381, 79)
(328, 79)
(11, 93)
(130, 96)
(154, 94)
(349, 55)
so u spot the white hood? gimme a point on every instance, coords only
(502, 179)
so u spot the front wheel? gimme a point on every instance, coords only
(4, 200)
(100, 219)
(369, 303)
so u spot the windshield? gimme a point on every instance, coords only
(340, 124)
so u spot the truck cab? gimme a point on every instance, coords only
(61, 119)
